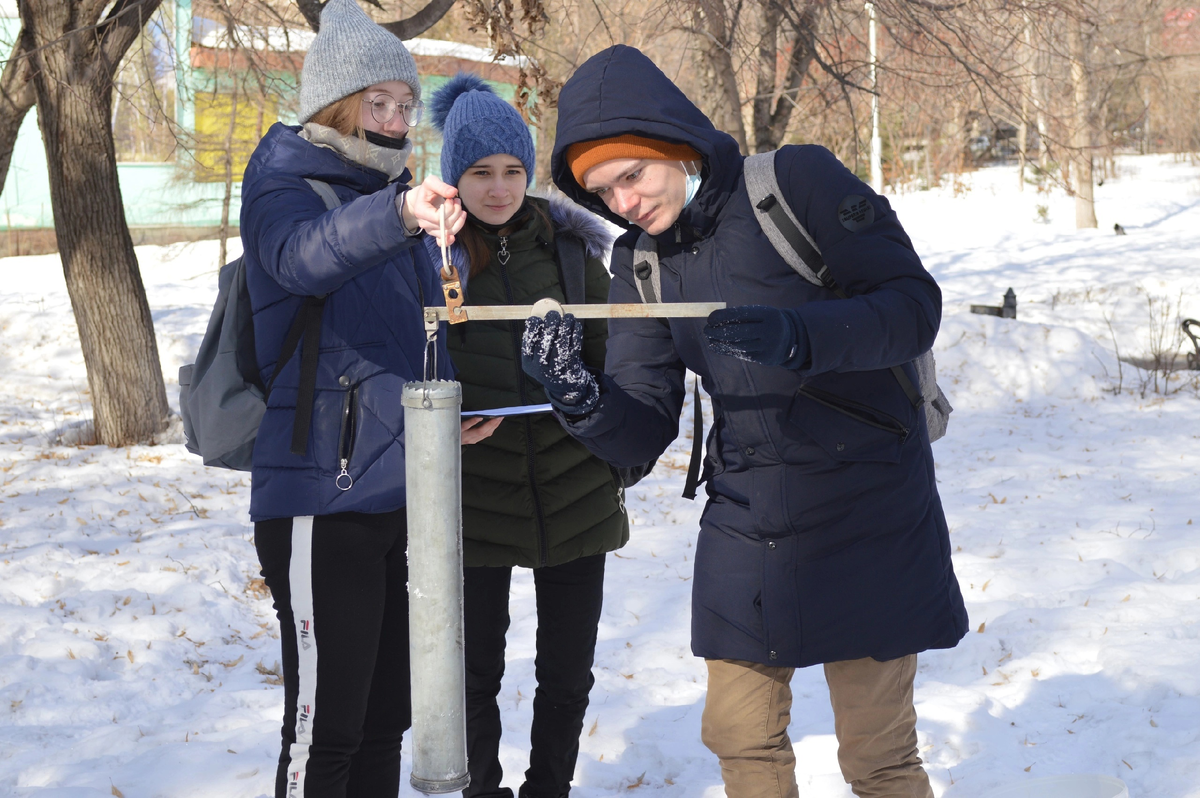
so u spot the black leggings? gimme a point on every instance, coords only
(340, 588)
(569, 599)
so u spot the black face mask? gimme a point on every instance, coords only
(387, 142)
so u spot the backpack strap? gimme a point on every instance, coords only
(311, 312)
(648, 280)
(306, 326)
(693, 475)
(778, 223)
(794, 244)
(572, 267)
(290, 342)
(645, 269)
(245, 352)
(325, 192)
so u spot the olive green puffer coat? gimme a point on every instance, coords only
(532, 495)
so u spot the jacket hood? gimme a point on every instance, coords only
(283, 149)
(620, 91)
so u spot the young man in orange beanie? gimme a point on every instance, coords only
(823, 539)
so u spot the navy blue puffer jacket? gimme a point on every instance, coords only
(823, 537)
(372, 334)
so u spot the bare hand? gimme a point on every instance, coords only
(422, 207)
(473, 431)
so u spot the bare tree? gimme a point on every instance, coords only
(717, 29)
(1083, 119)
(952, 74)
(550, 44)
(775, 87)
(1028, 97)
(1088, 75)
(754, 57)
(74, 49)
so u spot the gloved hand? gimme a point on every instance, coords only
(760, 334)
(551, 354)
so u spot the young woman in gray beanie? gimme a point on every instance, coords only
(345, 287)
(532, 496)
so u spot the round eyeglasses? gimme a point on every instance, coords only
(383, 108)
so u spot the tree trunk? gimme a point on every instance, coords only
(1082, 136)
(1039, 101)
(771, 114)
(73, 80)
(1022, 147)
(230, 137)
(227, 197)
(719, 75)
(766, 74)
(16, 98)
(1027, 92)
(1145, 100)
(544, 147)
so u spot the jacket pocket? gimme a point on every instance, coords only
(781, 606)
(848, 430)
(346, 434)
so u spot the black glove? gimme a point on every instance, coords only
(551, 354)
(760, 334)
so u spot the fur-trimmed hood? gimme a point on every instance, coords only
(571, 219)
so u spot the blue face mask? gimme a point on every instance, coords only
(691, 188)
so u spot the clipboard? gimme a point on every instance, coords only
(501, 412)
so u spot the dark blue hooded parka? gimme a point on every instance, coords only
(823, 537)
(376, 280)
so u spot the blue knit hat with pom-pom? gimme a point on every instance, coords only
(476, 123)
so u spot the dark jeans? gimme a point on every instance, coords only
(569, 598)
(340, 588)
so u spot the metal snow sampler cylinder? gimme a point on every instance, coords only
(433, 473)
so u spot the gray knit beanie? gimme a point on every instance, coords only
(350, 53)
(476, 123)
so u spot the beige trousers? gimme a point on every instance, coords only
(748, 707)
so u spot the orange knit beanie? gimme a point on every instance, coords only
(583, 155)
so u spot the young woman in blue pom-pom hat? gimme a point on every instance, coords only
(532, 496)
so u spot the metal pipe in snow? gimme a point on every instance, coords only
(433, 460)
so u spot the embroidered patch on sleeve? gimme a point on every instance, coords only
(856, 212)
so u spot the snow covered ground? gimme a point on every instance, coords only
(138, 650)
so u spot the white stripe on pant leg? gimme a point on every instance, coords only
(300, 582)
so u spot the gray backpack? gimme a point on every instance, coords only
(796, 246)
(221, 397)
